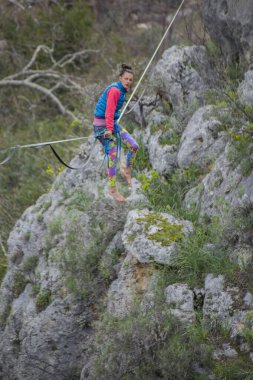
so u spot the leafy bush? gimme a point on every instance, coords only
(30, 263)
(149, 345)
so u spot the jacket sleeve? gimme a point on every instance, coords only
(112, 97)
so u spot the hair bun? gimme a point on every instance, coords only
(126, 67)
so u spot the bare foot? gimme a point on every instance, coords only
(116, 195)
(126, 173)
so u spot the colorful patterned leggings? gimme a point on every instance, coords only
(129, 142)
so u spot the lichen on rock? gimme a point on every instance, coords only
(152, 237)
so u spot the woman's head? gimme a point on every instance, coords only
(126, 76)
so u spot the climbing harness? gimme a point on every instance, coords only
(107, 148)
(99, 134)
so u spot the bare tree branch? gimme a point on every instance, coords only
(44, 48)
(2, 246)
(49, 79)
(69, 58)
(42, 89)
(14, 2)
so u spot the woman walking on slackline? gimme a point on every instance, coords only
(106, 113)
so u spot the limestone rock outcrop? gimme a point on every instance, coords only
(229, 22)
(46, 297)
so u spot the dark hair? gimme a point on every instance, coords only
(125, 69)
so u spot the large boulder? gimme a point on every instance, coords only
(222, 189)
(163, 157)
(202, 140)
(152, 237)
(133, 279)
(229, 22)
(228, 306)
(182, 76)
(180, 300)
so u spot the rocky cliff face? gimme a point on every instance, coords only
(76, 255)
(229, 22)
(43, 323)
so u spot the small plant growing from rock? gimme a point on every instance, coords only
(30, 263)
(43, 299)
(27, 235)
(55, 226)
(19, 283)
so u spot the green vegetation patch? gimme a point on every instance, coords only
(167, 194)
(164, 127)
(19, 283)
(43, 299)
(30, 263)
(167, 232)
(55, 226)
(150, 345)
(142, 159)
(170, 138)
(81, 264)
(80, 200)
(3, 265)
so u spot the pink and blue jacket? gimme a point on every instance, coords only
(108, 107)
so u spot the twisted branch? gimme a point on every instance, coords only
(27, 77)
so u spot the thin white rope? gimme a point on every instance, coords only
(43, 143)
(151, 60)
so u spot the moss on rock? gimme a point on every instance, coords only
(166, 233)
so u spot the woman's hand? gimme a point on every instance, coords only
(108, 133)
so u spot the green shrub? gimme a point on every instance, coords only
(108, 262)
(30, 263)
(167, 194)
(145, 346)
(241, 150)
(142, 158)
(164, 127)
(234, 369)
(4, 315)
(195, 257)
(43, 299)
(80, 200)
(35, 289)
(19, 283)
(27, 235)
(55, 226)
(80, 264)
